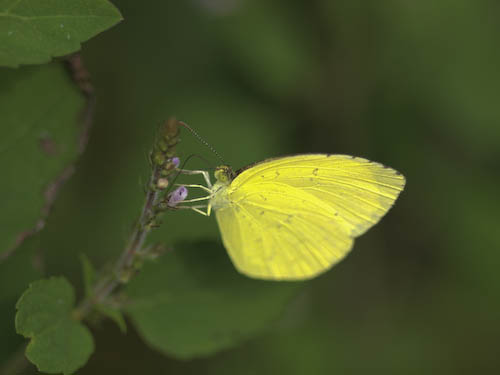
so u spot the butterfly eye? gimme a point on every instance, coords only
(223, 174)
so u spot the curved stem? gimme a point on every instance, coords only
(124, 265)
(162, 166)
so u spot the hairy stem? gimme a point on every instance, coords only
(107, 285)
(125, 267)
(143, 226)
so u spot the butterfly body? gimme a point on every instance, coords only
(294, 217)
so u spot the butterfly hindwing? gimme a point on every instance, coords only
(266, 240)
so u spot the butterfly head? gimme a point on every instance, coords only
(224, 174)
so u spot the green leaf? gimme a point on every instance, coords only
(114, 314)
(32, 32)
(39, 139)
(192, 302)
(89, 275)
(58, 342)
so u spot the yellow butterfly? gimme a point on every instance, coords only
(294, 217)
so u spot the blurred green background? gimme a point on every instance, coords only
(413, 85)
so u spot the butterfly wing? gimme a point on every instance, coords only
(292, 218)
(359, 190)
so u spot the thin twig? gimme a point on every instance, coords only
(138, 237)
(109, 283)
(125, 266)
(81, 77)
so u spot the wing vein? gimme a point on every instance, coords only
(314, 188)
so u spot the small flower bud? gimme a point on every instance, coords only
(170, 152)
(162, 183)
(162, 145)
(177, 196)
(158, 158)
(170, 129)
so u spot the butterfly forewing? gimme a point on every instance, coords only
(360, 191)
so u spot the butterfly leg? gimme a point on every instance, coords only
(196, 186)
(197, 199)
(196, 209)
(199, 211)
(205, 175)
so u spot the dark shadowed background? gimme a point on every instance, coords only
(413, 85)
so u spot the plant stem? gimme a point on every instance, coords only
(161, 169)
(124, 265)
(143, 228)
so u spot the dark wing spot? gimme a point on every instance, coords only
(263, 197)
(262, 212)
(277, 173)
(311, 179)
(336, 214)
(262, 176)
(315, 171)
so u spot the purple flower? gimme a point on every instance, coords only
(176, 161)
(177, 196)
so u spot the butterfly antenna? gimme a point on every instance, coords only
(202, 141)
